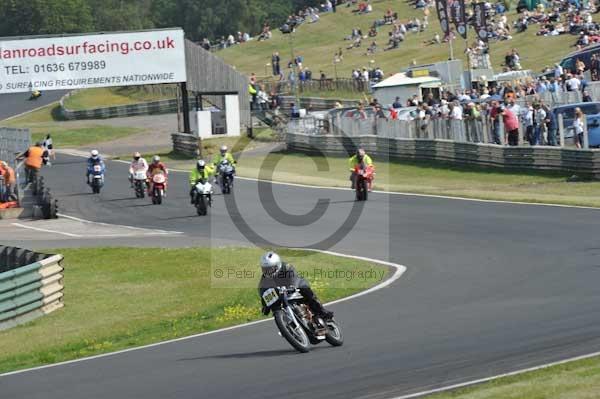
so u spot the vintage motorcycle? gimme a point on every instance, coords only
(297, 323)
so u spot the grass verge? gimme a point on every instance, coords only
(211, 147)
(112, 96)
(129, 297)
(67, 134)
(574, 380)
(428, 178)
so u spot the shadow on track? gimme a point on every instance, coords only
(247, 355)
(122, 199)
(76, 195)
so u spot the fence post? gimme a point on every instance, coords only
(586, 138)
(485, 129)
(521, 133)
(561, 130)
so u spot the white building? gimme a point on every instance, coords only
(400, 85)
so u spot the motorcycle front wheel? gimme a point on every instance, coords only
(334, 334)
(157, 196)
(295, 336)
(200, 205)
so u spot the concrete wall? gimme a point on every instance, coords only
(581, 162)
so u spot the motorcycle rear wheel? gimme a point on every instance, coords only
(296, 337)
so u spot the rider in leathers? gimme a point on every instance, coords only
(278, 274)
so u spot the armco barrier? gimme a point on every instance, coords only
(31, 285)
(147, 108)
(585, 163)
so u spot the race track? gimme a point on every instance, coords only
(13, 104)
(490, 288)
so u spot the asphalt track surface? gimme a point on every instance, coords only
(490, 288)
(13, 104)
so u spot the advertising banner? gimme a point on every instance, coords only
(442, 11)
(459, 17)
(479, 21)
(99, 60)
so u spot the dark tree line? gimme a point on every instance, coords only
(199, 18)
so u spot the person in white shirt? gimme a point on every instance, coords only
(457, 112)
(539, 118)
(558, 71)
(365, 75)
(573, 84)
(578, 127)
(49, 146)
(138, 164)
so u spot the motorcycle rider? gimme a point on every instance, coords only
(94, 159)
(276, 273)
(201, 171)
(358, 158)
(223, 154)
(138, 164)
(157, 167)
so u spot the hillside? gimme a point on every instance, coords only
(318, 42)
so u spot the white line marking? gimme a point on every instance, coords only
(397, 274)
(149, 231)
(404, 194)
(46, 230)
(487, 379)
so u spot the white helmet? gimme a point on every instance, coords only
(95, 154)
(223, 149)
(270, 264)
(200, 164)
(156, 158)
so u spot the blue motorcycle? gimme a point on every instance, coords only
(96, 171)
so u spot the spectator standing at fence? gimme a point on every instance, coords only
(456, 111)
(10, 181)
(511, 126)
(495, 115)
(578, 127)
(586, 98)
(573, 83)
(539, 123)
(397, 103)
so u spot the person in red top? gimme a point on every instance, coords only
(511, 126)
(156, 167)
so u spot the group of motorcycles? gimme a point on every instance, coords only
(155, 185)
(202, 191)
(296, 323)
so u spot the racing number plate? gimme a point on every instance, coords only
(97, 168)
(270, 296)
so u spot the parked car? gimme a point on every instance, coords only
(592, 113)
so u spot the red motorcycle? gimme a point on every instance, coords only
(159, 184)
(363, 175)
